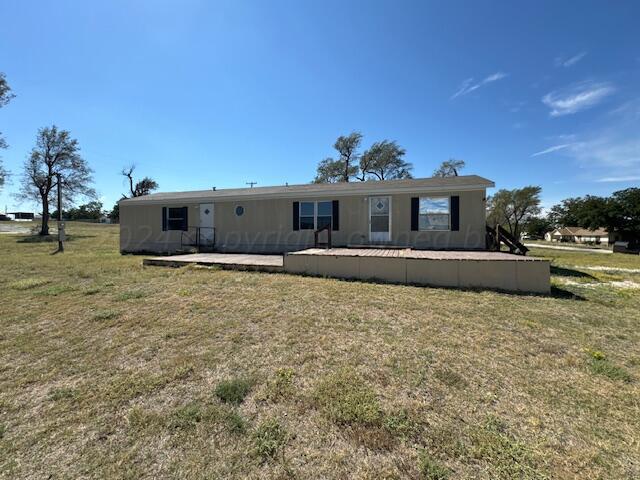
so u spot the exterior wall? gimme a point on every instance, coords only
(267, 225)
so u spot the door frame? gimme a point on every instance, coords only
(379, 240)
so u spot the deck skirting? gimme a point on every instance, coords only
(462, 270)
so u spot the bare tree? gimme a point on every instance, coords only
(384, 161)
(5, 97)
(56, 155)
(138, 189)
(449, 168)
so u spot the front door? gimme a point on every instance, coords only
(206, 224)
(379, 219)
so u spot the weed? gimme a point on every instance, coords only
(105, 314)
(130, 295)
(269, 438)
(347, 399)
(430, 469)
(235, 422)
(186, 417)
(400, 424)
(505, 457)
(449, 377)
(605, 368)
(61, 394)
(28, 283)
(233, 391)
(281, 386)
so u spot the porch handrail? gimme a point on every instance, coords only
(316, 234)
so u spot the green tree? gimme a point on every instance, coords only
(55, 153)
(114, 214)
(618, 213)
(87, 211)
(536, 227)
(5, 97)
(513, 208)
(344, 167)
(140, 188)
(384, 161)
(449, 168)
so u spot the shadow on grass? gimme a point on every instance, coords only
(50, 238)
(568, 272)
(563, 294)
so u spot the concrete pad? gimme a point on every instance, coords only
(385, 269)
(438, 273)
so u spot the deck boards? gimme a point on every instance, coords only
(409, 253)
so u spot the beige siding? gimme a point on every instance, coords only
(267, 225)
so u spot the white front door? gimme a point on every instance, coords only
(379, 219)
(206, 223)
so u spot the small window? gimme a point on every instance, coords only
(176, 218)
(307, 215)
(434, 213)
(239, 210)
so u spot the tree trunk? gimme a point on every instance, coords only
(44, 229)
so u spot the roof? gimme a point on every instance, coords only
(580, 232)
(434, 184)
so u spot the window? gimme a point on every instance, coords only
(324, 215)
(434, 213)
(239, 210)
(176, 218)
(307, 215)
(315, 215)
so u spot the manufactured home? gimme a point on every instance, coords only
(427, 213)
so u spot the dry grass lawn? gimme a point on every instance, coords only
(112, 370)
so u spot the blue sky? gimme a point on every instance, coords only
(202, 93)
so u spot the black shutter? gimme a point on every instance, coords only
(455, 213)
(296, 215)
(415, 206)
(336, 215)
(185, 218)
(164, 219)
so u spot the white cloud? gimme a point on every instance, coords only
(467, 86)
(569, 62)
(630, 178)
(555, 148)
(577, 97)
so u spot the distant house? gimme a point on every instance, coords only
(21, 216)
(579, 235)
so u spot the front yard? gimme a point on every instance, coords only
(112, 370)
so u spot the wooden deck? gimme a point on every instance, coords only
(235, 261)
(416, 254)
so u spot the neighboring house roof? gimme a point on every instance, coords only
(435, 184)
(579, 232)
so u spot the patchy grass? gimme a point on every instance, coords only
(269, 439)
(346, 399)
(233, 391)
(109, 370)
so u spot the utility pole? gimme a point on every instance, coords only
(60, 224)
(252, 183)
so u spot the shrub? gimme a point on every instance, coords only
(347, 399)
(269, 438)
(233, 391)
